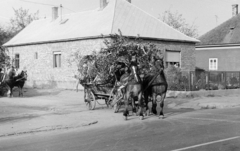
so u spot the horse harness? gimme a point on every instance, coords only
(156, 75)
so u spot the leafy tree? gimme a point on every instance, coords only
(177, 21)
(4, 35)
(21, 19)
(4, 58)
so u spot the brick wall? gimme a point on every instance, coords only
(41, 73)
(187, 51)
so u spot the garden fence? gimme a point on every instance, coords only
(205, 80)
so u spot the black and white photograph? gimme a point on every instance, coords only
(119, 75)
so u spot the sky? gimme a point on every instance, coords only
(204, 14)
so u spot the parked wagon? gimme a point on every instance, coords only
(108, 92)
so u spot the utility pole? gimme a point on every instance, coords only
(61, 11)
(216, 17)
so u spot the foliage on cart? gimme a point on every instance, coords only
(118, 48)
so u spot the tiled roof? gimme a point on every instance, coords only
(118, 14)
(226, 33)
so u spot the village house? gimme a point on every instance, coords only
(44, 46)
(219, 49)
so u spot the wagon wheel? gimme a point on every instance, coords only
(91, 101)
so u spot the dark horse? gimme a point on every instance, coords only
(17, 81)
(155, 84)
(133, 92)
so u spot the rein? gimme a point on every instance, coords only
(20, 79)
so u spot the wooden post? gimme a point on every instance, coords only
(239, 80)
(225, 73)
(189, 81)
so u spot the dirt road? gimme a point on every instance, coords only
(43, 110)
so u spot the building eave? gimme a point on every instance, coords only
(96, 37)
(217, 45)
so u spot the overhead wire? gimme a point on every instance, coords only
(68, 9)
(48, 5)
(38, 3)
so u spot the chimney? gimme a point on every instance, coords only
(54, 13)
(103, 3)
(129, 1)
(234, 10)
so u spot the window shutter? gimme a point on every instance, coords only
(172, 56)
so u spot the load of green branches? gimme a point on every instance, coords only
(118, 49)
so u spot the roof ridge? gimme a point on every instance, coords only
(160, 21)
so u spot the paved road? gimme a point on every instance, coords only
(203, 130)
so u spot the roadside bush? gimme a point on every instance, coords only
(176, 80)
(3, 89)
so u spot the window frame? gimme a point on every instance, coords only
(17, 60)
(168, 63)
(213, 64)
(55, 54)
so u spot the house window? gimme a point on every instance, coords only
(36, 55)
(57, 59)
(17, 61)
(213, 64)
(173, 58)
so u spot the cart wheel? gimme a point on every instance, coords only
(91, 103)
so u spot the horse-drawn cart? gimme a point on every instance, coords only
(108, 92)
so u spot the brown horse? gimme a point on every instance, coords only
(155, 84)
(133, 92)
(12, 81)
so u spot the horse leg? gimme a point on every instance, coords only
(132, 100)
(85, 95)
(20, 92)
(11, 92)
(150, 106)
(161, 105)
(154, 103)
(126, 113)
(146, 103)
(141, 106)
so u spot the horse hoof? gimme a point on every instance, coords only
(146, 114)
(161, 117)
(141, 118)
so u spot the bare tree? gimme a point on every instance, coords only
(21, 19)
(177, 21)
